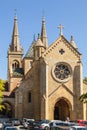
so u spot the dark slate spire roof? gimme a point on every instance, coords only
(30, 52)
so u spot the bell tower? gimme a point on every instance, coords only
(15, 54)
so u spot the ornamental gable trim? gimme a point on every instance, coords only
(58, 41)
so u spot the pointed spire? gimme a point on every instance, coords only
(39, 42)
(15, 43)
(73, 43)
(43, 33)
(39, 48)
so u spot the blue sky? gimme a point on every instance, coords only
(72, 14)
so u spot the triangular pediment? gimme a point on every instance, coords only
(62, 86)
(62, 41)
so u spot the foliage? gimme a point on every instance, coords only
(85, 79)
(2, 84)
(83, 98)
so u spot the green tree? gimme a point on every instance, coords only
(2, 84)
(83, 97)
(85, 79)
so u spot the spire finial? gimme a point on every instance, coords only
(43, 18)
(34, 37)
(38, 35)
(43, 12)
(61, 27)
(72, 39)
(73, 43)
(15, 12)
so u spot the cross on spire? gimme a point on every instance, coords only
(15, 12)
(61, 27)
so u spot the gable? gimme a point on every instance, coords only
(62, 47)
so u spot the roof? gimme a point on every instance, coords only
(12, 128)
(77, 126)
(30, 52)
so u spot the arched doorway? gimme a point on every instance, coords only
(7, 112)
(61, 110)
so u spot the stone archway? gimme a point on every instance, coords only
(7, 112)
(61, 110)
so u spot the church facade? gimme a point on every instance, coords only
(46, 83)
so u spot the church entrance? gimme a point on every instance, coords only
(61, 110)
(7, 112)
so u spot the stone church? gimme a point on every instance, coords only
(46, 82)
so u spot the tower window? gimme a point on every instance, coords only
(29, 97)
(15, 65)
(15, 48)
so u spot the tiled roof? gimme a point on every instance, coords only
(30, 52)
